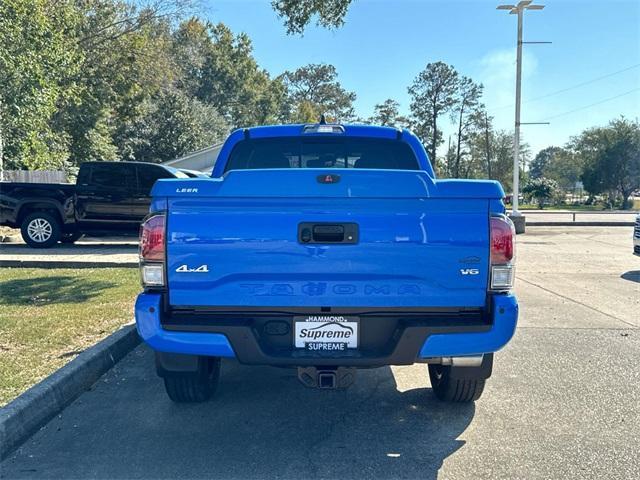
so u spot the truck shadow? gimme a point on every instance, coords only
(632, 276)
(372, 430)
(49, 290)
(262, 424)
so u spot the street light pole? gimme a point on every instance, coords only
(516, 138)
(518, 10)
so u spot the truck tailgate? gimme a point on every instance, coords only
(237, 242)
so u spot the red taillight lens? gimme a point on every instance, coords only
(152, 239)
(502, 240)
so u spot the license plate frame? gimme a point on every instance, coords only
(326, 333)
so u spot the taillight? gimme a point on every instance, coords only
(152, 246)
(502, 253)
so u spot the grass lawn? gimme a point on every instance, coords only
(577, 208)
(48, 316)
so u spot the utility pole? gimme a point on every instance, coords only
(516, 216)
(487, 145)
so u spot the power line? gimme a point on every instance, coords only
(584, 83)
(593, 104)
(578, 85)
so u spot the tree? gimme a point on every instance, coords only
(432, 94)
(173, 125)
(86, 80)
(231, 80)
(191, 43)
(611, 157)
(182, 124)
(542, 161)
(559, 164)
(541, 190)
(125, 61)
(37, 62)
(315, 88)
(502, 164)
(297, 14)
(387, 114)
(467, 113)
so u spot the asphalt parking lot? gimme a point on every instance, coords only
(564, 400)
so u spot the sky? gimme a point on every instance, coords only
(384, 44)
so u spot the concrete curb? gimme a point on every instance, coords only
(26, 414)
(65, 264)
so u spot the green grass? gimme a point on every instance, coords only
(579, 208)
(48, 316)
(598, 207)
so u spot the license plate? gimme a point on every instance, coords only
(326, 333)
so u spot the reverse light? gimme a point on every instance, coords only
(152, 274)
(502, 253)
(152, 248)
(502, 277)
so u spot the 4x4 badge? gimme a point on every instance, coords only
(186, 269)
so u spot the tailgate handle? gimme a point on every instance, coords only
(346, 233)
(328, 233)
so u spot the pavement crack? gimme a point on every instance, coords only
(577, 302)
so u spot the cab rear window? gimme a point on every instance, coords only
(322, 152)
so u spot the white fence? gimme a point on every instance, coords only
(35, 176)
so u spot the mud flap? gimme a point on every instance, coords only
(481, 372)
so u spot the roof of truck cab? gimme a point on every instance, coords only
(122, 162)
(298, 130)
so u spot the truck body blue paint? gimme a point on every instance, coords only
(240, 270)
(504, 321)
(148, 310)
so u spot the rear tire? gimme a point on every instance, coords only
(40, 230)
(194, 387)
(448, 389)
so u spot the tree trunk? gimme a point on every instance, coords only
(457, 175)
(432, 153)
(486, 144)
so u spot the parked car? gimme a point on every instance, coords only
(326, 248)
(108, 197)
(636, 236)
(508, 199)
(194, 173)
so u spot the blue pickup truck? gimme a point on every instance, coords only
(326, 248)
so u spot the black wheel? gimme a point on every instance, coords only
(194, 387)
(70, 237)
(40, 230)
(451, 389)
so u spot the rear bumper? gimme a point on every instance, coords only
(411, 343)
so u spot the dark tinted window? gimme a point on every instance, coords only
(84, 175)
(147, 176)
(318, 152)
(111, 175)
